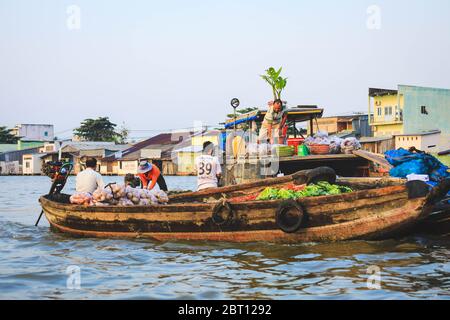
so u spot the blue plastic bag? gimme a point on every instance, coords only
(397, 157)
(406, 163)
(417, 166)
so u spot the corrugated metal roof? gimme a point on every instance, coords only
(163, 139)
(93, 146)
(425, 133)
(16, 155)
(294, 114)
(374, 139)
(7, 147)
(190, 149)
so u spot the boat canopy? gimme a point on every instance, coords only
(294, 115)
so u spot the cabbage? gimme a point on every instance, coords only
(268, 194)
(286, 194)
(322, 188)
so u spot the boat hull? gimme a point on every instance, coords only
(367, 214)
(377, 227)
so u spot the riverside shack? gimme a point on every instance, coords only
(241, 165)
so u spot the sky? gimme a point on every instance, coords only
(163, 65)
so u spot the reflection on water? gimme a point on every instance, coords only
(34, 261)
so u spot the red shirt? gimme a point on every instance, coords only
(152, 176)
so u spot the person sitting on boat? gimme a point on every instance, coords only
(89, 180)
(150, 175)
(208, 168)
(272, 126)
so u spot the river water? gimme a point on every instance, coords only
(36, 263)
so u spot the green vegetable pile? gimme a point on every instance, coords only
(322, 188)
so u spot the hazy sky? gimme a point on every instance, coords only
(164, 64)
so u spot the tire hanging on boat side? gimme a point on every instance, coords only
(290, 216)
(222, 213)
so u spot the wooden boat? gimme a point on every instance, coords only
(377, 209)
(438, 222)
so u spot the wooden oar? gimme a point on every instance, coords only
(37, 222)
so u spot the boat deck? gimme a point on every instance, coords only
(320, 157)
(347, 165)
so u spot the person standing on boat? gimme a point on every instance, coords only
(150, 175)
(208, 168)
(272, 127)
(89, 180)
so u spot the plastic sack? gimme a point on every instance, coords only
(350, 144)
(415, 166)
(406, 162)
(321, 134)
(320, 138)
(397, 157)
(127, 196)
(335, 145)
(81, 198)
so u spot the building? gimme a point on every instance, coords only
(34, 132)
(425, 141)
(157, 150)
(186, 153)
(51, 146)
(10, 168)
(78, 152)
(358, 124)
(186, 159)
(12, 162)
(377, 144)
(411, 111)
(32, 164)
(33, 135)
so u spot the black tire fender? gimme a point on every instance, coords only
(439, 192)
(321, 174)
(417, 189)
(290, 216)
(222, 213)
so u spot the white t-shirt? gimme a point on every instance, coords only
(89, 180)
(208, 167)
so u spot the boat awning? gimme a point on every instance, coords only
(239, 121)
(294, 114)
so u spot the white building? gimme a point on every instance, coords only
(32, 164)
(34, 132)
(425, 141)
(10, 167)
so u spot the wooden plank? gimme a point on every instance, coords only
(375, 158)
(319, 157)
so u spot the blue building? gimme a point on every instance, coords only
(411, 112)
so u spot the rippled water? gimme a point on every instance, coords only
(34, 261)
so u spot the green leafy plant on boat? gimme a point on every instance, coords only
(314, 190)
(276, 82)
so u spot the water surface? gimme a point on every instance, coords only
(34, 262)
